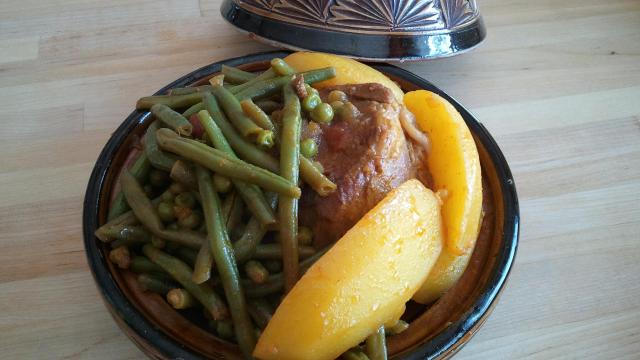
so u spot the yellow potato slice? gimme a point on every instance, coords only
(363, 282)
(455, 167)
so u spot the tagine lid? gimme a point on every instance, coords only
(371, 30)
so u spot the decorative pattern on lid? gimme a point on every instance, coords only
(369, 16)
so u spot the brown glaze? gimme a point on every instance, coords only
(426, 322)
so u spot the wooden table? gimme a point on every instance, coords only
(556, 82)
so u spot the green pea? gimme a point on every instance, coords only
(192, 221)
(305, 235)
(323, 113)
(167, 196)
(221, 184)
(310, 102)
(165, 211)
(336, 106)
(185, 199)
(177, 188)
(158, 178)
(308, 148)
(224, 328)
(337, 95)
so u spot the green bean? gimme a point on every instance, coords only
(140, 265)
(256, 271)
(221, 183)
(251, 194)
(397, 328)
(274, 251)
(128, 218)
(121, 257)
(156, 157)
(256, 114)
(314, 76)
(275, 283)
(268, 106)
(172, 101)
(281, 67)
(237, 76)
(354, 354)
(249, 152)
(308, 148)
(265, 139)
(180, 299)
(182, 274)
(253, 234)
(264, 88)
(172, 119)
(217, 80)
(268, 74)
(225, 262)
(260, 311)
(154, 284)
(127, 233)
(203, 264)
(158, 242)
(139, 202)
(232, 108)
(314, 178)
(139, 170)
(182, 173)
(187, 255)
(289, 169)
(187, 238)
(323, 113)
(129, 242)
(193, 109)
(225, 164)
(189, 90)
(376, 345)
(231, 211)
(273, 266)
(267, 87)
(245, 149)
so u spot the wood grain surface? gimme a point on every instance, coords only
(556, 82)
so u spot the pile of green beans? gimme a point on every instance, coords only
(207, 212)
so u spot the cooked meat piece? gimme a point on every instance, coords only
(366, 155)
(298, 86)
(370, 91)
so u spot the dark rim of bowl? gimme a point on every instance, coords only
(440, 344)
(369, 47)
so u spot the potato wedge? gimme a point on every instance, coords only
(349, 71)
(363, 282)
(455, 166)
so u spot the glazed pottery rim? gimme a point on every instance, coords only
(380, 46)
(448, 340)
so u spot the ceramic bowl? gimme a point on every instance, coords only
(436, 332)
